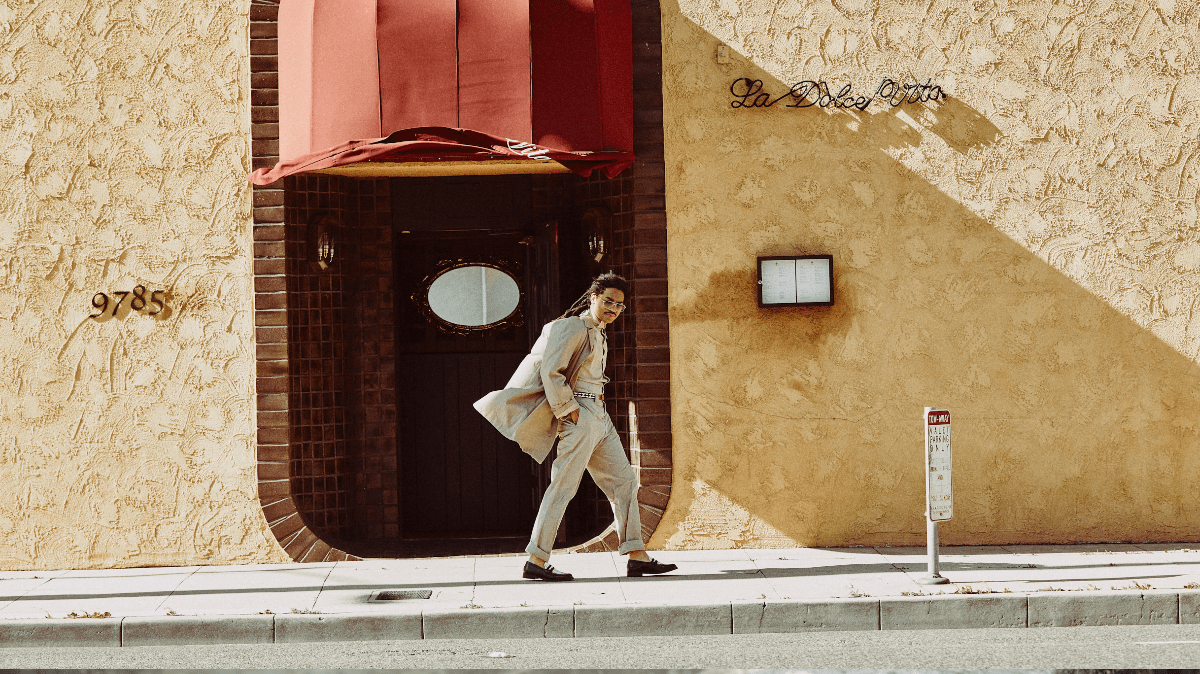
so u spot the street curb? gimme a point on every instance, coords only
(64, 632)
(1073, 609)
(1189, 608)
(1000, 610)
(831, 615)
(950, 612)
(520, 622)
(207, 629)
(652, 620)
(303, 628)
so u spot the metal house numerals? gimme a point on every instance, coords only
(139, 302)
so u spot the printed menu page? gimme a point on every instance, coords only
(778, 281)
(812, 280)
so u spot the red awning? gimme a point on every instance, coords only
(427, 81)
(432, 145)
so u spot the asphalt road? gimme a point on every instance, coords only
(1089, 647)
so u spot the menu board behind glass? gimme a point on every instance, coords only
(795, 281)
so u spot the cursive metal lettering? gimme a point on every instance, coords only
(749, 93)
(896, 93)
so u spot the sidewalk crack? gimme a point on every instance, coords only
(474, 579)
(27, 592)
(615, 557)
(767, 578)
(177, 586)
(323, 582)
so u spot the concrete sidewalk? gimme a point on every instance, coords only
(713, 592)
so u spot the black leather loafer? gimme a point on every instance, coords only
(534, 572)
(636, 569)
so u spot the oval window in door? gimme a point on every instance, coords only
(474, 296)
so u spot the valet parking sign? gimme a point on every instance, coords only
(939, 501)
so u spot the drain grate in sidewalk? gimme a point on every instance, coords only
(394, 595)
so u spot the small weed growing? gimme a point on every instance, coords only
(967, 589)
(97, 614)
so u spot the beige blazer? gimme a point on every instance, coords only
(541, 391)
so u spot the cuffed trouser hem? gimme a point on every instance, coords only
(537, 552)
(630, 546)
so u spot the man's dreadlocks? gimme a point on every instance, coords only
(599, 285)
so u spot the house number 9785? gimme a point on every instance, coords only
(140, 301)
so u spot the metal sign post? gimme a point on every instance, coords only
(939, 501)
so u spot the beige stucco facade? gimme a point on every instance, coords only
(1025, 253)
(127, 441)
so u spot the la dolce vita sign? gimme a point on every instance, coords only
(749, 93)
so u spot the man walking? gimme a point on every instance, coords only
(558, 391)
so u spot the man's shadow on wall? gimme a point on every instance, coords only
(1056, 393)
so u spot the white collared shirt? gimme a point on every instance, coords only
(591, 377)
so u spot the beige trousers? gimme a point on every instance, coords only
(591, 444)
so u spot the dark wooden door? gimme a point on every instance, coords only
(459, 478)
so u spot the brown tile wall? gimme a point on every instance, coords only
(371, 351)
(650, 356)
(320, 462)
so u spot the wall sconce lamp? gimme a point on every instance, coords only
(597, 232)
(322, 241)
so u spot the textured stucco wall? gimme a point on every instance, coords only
(124, 133)
(1025, 253)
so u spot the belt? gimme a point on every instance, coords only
(592, 396)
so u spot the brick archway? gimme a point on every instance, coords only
(641, 364)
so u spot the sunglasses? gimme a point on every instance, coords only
(612, 305)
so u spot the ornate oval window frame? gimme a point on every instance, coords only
(515, 318)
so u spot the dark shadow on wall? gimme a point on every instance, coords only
(1065, 409)
(960, 125)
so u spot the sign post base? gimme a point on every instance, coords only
(931, 536)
